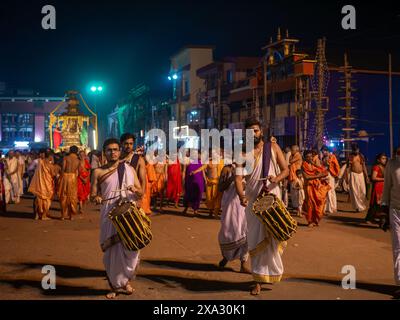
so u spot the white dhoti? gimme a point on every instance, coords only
(7, 189)
(20, 185)
(331, 201)
(120, 264)
(265, 251)
(395, 230)
(297, 194)
(15, 190)
(232, 235)
(358, 191)
(13, 177)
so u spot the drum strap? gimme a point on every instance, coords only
(121, 173)
(111, 241)
(267, 154)
(135, 161)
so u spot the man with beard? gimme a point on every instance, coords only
(269, 161)
(136, 160)
(120, 263)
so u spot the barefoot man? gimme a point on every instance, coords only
(120, 263)
(265, 250)
(212, 172)
(331, 163)
(357, 179)
(232, 234)
(68, 184)
(42, 186)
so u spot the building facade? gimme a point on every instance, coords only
(186, 83)
(25, 120)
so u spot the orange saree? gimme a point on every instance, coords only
(316, 191)
(150, 178)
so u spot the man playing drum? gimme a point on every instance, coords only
(265, 251)
(120, 263)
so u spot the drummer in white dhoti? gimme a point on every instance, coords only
(265, 250)
(120, 263)
(232, 234)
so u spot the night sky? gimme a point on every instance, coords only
(124, 43)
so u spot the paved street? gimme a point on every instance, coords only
(180, 263)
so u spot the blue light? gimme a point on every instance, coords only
(100, 88)
(93, 89)
(332, 145)
(175, 76)
(169, 78)
(21, 144)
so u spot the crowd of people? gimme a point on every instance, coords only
(305, 180)
(48, 176)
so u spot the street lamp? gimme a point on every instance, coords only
(96, 89)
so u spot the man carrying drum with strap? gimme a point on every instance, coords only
(110, 183)
(270, 168)
(136, 160)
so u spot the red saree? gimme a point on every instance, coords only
(84, 182)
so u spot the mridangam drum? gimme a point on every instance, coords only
(132, 225)
(273, 213)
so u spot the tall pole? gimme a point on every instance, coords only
(265, 83)
(320, 83)
(219, 102)
(390, 106)
(180, 101)
(320, 114)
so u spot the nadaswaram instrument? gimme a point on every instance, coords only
(273, 213)
(132, 225)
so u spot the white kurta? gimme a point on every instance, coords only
(120, 264)
(232, 235)
(358, 191)
(265, 250)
